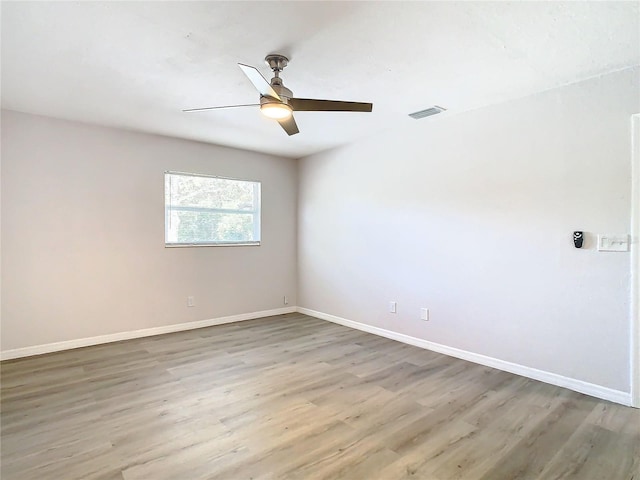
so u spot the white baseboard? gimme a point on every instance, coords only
(146, 332)
(587, 388)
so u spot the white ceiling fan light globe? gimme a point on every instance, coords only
(277, 111)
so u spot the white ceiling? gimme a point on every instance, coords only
(136, 65)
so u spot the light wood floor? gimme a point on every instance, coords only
(292, 397)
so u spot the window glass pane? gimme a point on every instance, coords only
(204, 227)
(192, 191)
(210, 210)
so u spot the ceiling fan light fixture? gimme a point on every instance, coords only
(276, 110)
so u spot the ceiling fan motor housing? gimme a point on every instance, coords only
(284, 92)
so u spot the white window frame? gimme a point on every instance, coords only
(256, 211)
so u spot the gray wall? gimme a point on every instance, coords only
(83, 234)
(471, 216)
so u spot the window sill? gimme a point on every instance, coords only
(183, 245)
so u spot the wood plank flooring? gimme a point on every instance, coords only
(293, 397)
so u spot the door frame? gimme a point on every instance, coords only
(635, 262)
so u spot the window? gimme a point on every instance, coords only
(205, 210)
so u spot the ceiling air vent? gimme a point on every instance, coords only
(427, 113)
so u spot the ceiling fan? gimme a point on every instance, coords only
(278, 102)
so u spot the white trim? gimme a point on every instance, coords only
(634, 312)
(146, 332)
(587, 388)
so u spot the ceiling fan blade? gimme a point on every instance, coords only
(216, 108)
(311, 105)
(289, 125)
(259, 81)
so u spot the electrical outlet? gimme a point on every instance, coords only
(285, 300)
(393, 307)
(424, 314)
(191, 302)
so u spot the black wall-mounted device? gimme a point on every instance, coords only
(578, 238)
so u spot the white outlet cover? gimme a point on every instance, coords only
(393, 306)
(613, 243)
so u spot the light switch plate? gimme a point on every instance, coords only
(613, 243)
(393, 307)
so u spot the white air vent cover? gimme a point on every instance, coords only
(427, 113)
